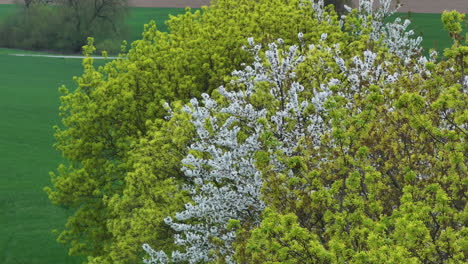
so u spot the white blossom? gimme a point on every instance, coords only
(226, 184)
(395, 35)
(323, 37)
(300, 36)
(465, 84)
(319, 8)
(224, 181)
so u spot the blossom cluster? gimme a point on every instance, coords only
(225, 183)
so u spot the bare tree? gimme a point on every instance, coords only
(28, 3)
(94, 17)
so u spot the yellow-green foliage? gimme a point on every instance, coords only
(107, 119)
(152, 191)
(452, 21)
(388, 184)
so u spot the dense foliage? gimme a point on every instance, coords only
(337, 142)
(358, 153)
(64, 25)
(107, 121)
(384, 179)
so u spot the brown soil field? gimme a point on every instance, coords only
(417, 6)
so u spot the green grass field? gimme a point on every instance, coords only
(140, 16)
(6, 9)
(430, 27)
(28, 110)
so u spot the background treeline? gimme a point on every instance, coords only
(64, 25)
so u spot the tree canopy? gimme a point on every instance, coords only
(107, 117)
(362, 160)
(269, 133)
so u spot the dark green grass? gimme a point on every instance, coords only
(28, 110)
(139, 16)
(6, 9)
(430, 27)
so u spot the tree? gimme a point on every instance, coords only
(321, 137)
(377, 187)
(64, 24)
(362, 153)
(28, 3)
(103, 19)
(109, 122)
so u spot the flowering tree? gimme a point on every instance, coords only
(225, 183)
(123, 159)
(354, 149)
